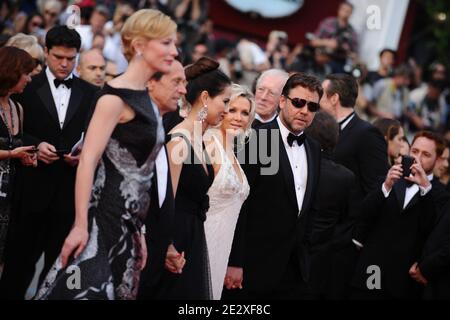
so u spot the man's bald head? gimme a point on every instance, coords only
(91, 67)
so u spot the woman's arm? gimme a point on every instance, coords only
(109, 111)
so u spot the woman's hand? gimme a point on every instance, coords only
(75, 242)
(21, 152)
(174, 261)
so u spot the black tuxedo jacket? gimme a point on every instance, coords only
(38, 186)
(333, 224)
(362, 149)
(435, 261)
(394, 237)
(271, 228)
(159, 226)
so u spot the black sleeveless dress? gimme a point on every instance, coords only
(191, 205)
(7, 176)
(108, 266)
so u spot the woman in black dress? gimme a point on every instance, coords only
(15, 68)
(114, 174)
(208, 92)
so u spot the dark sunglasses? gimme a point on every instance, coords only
(38, 62)
(300, 103)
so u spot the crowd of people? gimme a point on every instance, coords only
(162, 163)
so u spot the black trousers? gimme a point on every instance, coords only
(30, 235)
(291, 287)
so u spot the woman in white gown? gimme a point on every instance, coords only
(230, 187)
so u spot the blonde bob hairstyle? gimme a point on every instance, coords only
(145, 24)
(238, 91)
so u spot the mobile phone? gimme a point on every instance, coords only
(62, 152)
(407, 162)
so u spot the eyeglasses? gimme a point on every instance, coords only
(300, 103)
(38, 62)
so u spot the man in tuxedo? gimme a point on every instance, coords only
(397, 219)
(361, 147)
(269, 257)
(433, 268)
(165, 90)
(56, 105)
(267, 95)
(332, 248)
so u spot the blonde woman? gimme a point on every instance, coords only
(230, 187)
(114, 173)
(31, 45)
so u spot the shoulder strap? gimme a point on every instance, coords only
(19, 114)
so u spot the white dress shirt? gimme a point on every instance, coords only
(411, 191)
(61, 96)
(299, 164)
(162, 167)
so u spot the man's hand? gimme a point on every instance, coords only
(71, 160)
(233, 278)
(46, 153)
(394, 174)
(415, 273)
(418, 175)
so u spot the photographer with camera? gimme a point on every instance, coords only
(337, 35)
(277, 50)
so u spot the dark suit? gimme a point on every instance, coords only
(362, 149)
(158, 223)
(333, 253)
(44, 210)
(271, 240)
(393, 238)
(435, 261)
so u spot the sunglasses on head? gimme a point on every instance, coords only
(300, 103)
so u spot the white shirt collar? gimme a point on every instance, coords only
(346, 122)
(258, 117)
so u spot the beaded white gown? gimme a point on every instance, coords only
(226, 196)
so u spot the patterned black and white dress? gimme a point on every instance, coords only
(108, 266)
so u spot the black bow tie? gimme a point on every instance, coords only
(67, 83)
(292, 137)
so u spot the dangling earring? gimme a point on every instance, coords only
(139, 54)
(201, 116)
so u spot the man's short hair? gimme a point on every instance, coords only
(62, 36)
(437, 138)
(304, 80)
(325, 130)
(394, 53)
(345, 86)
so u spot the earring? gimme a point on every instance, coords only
(139, 54)
(201, 116)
